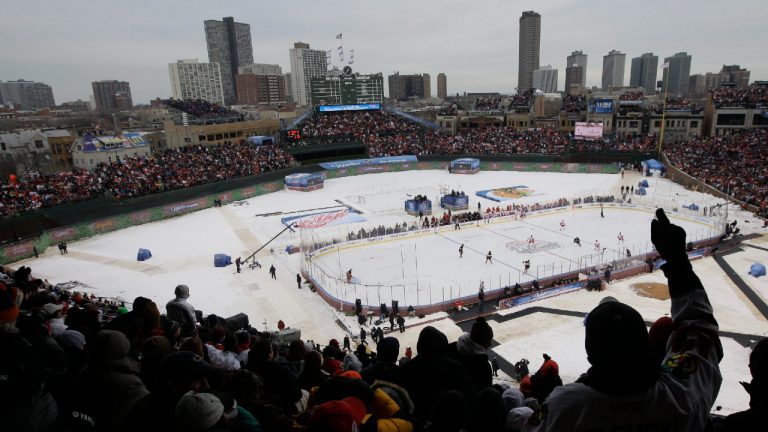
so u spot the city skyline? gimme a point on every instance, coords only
(69, 57)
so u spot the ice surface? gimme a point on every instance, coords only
(183, 250)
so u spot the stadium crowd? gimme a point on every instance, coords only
(199, 108)
(754, 96)
(137, 176)
(736, 164)
(72, 362)
(574, 103)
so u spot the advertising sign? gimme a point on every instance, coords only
(590, 130)
(604, 106)
(356, 107)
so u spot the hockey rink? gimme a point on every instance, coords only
(427, 267)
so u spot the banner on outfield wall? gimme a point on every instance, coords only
(371, 161)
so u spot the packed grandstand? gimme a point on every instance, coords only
(66, 352)
(390, 134)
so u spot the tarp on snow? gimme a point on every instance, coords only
(143, 255)
(757, 270)
(221, 260)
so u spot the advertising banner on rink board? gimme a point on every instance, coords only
(590, 130)
(371, 161)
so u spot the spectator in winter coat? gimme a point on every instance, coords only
(129, 323)
(280, 385)
(110, 381)
(424, 377)
(385, 368)
(626, 388)
(25, 403)
(471, 351)
(545, 379)
(312, 375)
(182, 312)
(755, 418)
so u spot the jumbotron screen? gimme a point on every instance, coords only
(589, 130)
(293, 135)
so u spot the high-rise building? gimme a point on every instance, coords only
(545, 79)
(734, 74)
(193, 80)
(574, 76)
(404, 87)
(643, 72)
(27, 95)
(577, 58)
(111, 95)
(344, 87)
(697, 85)
(613, 69)
(677, 74)
(260, 89)
(288, 87)
(229, 45)
(529, 48)
(306, 64)
(442, 86)
(260, 69)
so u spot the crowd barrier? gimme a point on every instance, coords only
(339, 293)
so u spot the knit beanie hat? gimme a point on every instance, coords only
(615, 334)
(481, 333)
(332, 416)
(431, 341)
(388, 349)
(108, 346)
(198, 412)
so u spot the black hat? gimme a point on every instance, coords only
(615, 334)
(185, 365)
(481, 332)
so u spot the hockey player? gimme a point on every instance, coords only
(531, 241)
(597, 245)
(620, 237)
(562, 225)
(601, 211)
(349, 276)
(527, 264)
(489, 258)
(577, 241)
(461, 250)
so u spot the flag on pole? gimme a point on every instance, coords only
(665, 65)
(338, 36)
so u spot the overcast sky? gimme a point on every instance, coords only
(70, 43)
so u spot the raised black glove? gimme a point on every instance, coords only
(669, 239)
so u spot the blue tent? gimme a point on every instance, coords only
(644, 183)
(640, 191)
(757, 270)
(221, 260)
(143, 255)
(653, 164)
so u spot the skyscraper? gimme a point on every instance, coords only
(577, 58)
(613, 69)
(679, 71)
(193, 80)
(643, 73)
(404, 87)
(545, 79)
(528, 54)
(306, 63)
(442, 87)
(573, 77)
(260, 84)
(229, 45)
(736, 75)
(111, 95)
(28, 95)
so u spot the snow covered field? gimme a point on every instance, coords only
(183, 250)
